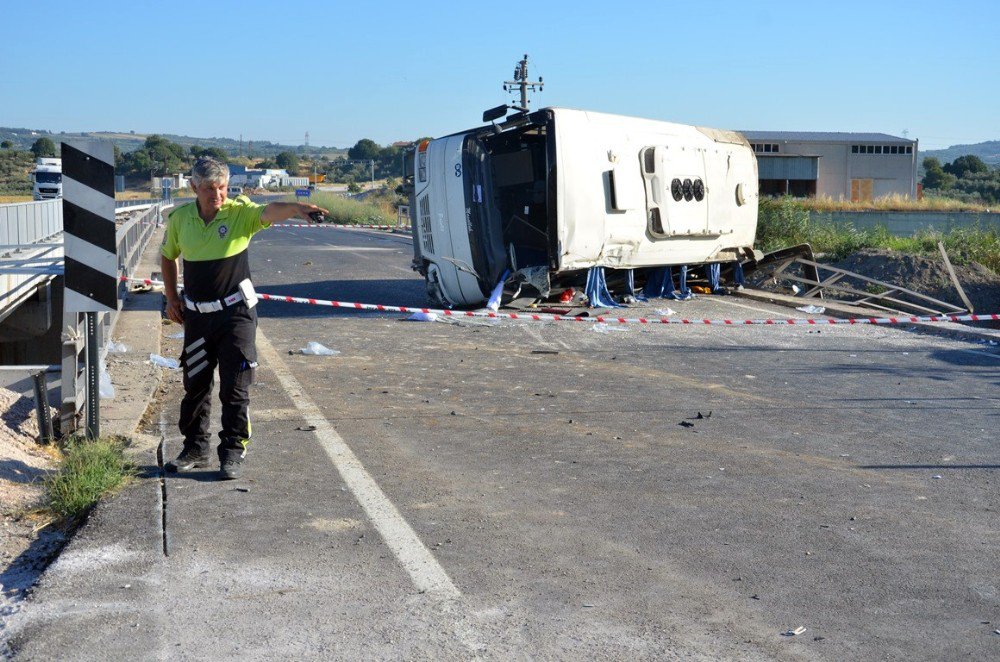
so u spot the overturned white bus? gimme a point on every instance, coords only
(544, 196)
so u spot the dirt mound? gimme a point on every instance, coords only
(928, 275)
(23, 463)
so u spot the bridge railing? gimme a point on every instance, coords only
(23, 223)
(30, 250)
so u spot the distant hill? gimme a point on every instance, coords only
(988, 151)
(129, 142)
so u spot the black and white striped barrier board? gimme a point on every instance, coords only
(89, 226)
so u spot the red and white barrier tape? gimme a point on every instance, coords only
(541, 317)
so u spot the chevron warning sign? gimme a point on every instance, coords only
(89, 226)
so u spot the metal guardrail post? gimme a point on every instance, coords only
(93, 377)
(72, 393)
(45, 432)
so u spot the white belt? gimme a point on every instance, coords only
(215, 305)
(244, 293)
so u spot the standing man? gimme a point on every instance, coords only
(212, 235)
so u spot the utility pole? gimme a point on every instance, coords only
(522, 83)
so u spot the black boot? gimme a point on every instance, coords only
(231, 463)
(189, 460)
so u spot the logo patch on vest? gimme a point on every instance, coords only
(223, 231)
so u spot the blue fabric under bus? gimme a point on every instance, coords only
(738, 276)
(713, 271)
(660, 283)
(630, 286)
(597, 290)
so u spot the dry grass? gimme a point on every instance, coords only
(8, 199)
(352, 212)
(893, 202)
(132, 195)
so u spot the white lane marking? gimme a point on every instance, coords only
(426, 573)
(772, 313)
(353, 249)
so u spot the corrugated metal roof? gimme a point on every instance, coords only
(825, 137)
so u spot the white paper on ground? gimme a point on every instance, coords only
(104, 386)
(313, 348)
(812, 310)
(117, 347)
(423, 317)
(164, 362)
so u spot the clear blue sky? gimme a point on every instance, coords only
(391, 70)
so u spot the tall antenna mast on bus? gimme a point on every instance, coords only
(522, 83)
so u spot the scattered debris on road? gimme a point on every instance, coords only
(164, 362)
(314, 348)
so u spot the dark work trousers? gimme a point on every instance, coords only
(227, 339)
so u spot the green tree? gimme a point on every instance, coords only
(965, 165)
(364, 149)
(6, 144)
(937, 178)
(163, 155)
(43, 147)
(353, 187)
(985, 185)
(931, 162)
(138, 163)
(216, 153)
(289, 161)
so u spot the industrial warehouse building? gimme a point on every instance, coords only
(842, 166)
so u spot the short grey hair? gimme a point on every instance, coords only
(207, 169)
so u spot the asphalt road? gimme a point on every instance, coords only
(498, 490)
(846, 477)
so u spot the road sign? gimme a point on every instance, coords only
(302, 193)
(89, 224)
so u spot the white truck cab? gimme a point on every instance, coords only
(46, 178)
(546, 195)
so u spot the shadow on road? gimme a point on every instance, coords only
(392, 292)
(16, 471)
